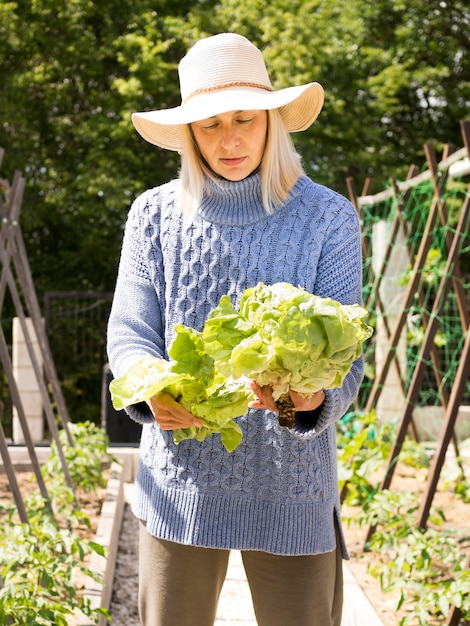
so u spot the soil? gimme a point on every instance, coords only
(409, 480)
(89, 503)
(123, 603)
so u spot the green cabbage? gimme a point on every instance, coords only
(191, 377)
(285, 337)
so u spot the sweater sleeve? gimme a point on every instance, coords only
(339, 276)
(135, 326)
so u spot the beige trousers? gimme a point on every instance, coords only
(180, 585)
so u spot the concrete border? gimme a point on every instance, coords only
(357, 608)
(107, 535)
(99, 593)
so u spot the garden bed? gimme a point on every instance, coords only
(105, 509)
(89, 503)
(406, 480)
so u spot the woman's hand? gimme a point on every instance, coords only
(301, 403)
(169, 414)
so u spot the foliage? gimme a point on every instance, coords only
(426, 567)
(39, 561)
(363, 449)
(285, 337)
(454, 478)
(84, 459)
(432, 272)
(191, 377)
(39, 564)
(395, 74)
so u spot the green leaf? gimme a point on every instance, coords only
(444, 604)
(231, 436)
(193, 379)
(142, 381)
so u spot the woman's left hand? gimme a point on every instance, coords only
(265, 399)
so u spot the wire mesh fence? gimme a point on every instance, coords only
(76, 326)
(407, 234)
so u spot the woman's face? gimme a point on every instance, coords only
(232, 143)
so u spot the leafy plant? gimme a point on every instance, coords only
(426, 567)
(84, 459)
(40, 561)
(285, 337)
(455, 479)
(414, 454)
(39, 564)
(363, 445)
(192, 378)
(432, 272)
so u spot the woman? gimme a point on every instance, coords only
(241, 211)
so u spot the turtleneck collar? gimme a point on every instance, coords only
(233, 203)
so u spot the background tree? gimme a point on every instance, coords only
(396, 75)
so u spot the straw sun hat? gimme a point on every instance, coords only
(224, 73)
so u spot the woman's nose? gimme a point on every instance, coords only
(229, 138)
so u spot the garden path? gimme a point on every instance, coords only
(235, 608)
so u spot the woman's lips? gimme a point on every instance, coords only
(233, 161)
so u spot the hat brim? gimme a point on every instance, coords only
(299, 107)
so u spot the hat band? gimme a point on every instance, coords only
(225, 86)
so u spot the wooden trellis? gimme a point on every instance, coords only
(16, 278)
(428, 359)
(451, 279)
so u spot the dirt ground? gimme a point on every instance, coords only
(409, 480)
(89, 503)
(123, 604)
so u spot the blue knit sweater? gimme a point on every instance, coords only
(278, 491)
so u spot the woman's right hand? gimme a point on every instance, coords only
(169, 414)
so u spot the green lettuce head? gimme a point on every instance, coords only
(285, 337)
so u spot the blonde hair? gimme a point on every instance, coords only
(281, 167)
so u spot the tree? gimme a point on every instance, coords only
(66, 125)
(395, 73)
(395, 76)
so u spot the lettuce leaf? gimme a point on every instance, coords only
(285, 337)
(191, 377)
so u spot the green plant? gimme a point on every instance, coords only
(414, 454)
(426, 567)
(432, 272)
(39, 564)
(455, 479)
(363, 447)
(40, 561)
(191, 376)
(84, 459)
(285, 337)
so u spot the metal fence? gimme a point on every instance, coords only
(76, 327)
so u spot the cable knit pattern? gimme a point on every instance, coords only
(278, 490)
